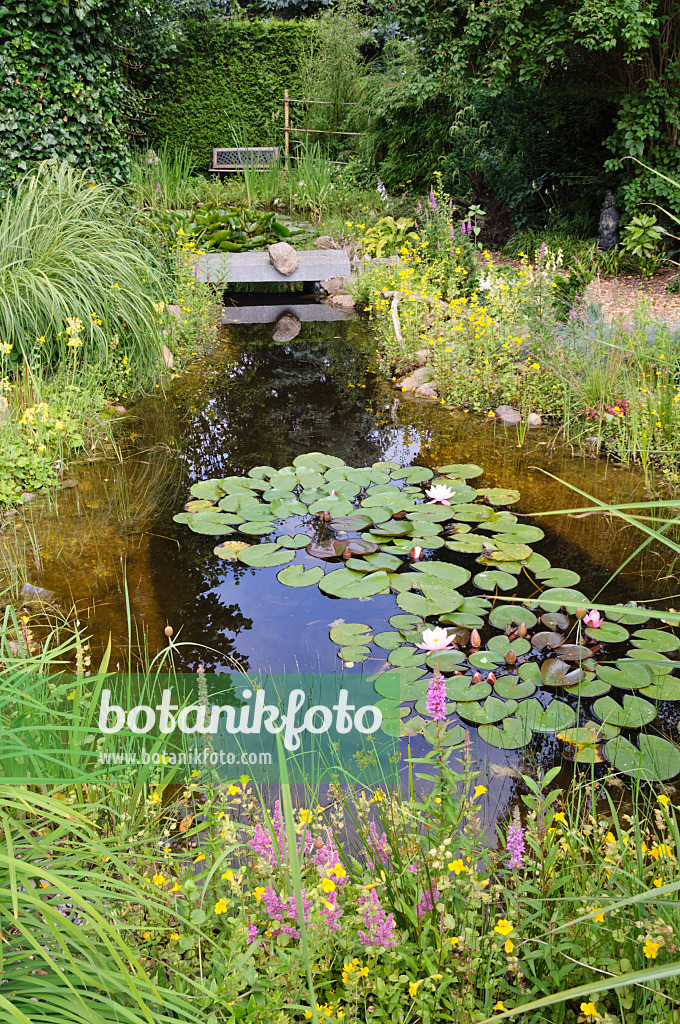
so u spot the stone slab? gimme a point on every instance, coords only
(306, 312)
(255, 267)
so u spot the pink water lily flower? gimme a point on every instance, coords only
(439, 494)
(436, 639)
(593, 618)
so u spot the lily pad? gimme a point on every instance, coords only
(530, 672)
(513, 735)
(507, 616)
(380, 560)
(630, 614)
(510, 551)
(405, 621)
(260, 529)
(493, 579)
(634, 714)
(353, 523)
(229, 549)
(656, 760)
(405, 656)
(261, 556)
(298, 576)
(547, 639)
(666, 688)
(492, 710)
(327, 549)
(572, 652)
(558, 577)
(444, 573)
(412, 474)
(335, 506)
(655, 640)
(556, 716)
(461, 471)
(513, 688)
(393, 528)
(588, 689)
(421, 706)
(298, 540)
(562, 597)
(389, 640)
(211, 489)
(499, 495)
(213, 524)
(466, 543)
(556, 621)
(609, 633)
(555, 672)
(199, 505)
(345, 583)
(359, 653)
(430, 513)
(626, 674)
(437, 602)
(395, 682)
(445, 661)
(471, 513)
(462, 689)
(453, 736)
(285, 508)
(501, 645)
(349, 633)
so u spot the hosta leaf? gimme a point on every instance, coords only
(656, 760)
(556, 716)
(635, 712)
(298, 576)
(513, 735)
(262, 556)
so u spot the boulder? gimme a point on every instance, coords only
(506, 414)
(36, 594)
(168, 357)
(416, 379)
(341, 301)
(427, 390)
(286, 328)
(334, 284)
(284, 257)
(327, 242)
(534, 419)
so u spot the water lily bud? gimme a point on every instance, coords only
(168, 631)
(415, 554)
(522, 629)
(475, 638)
(580, 613)
(477, 677)
(491, 678)
(510, 657)
(512, 636)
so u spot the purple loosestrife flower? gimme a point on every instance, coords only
(515, 845)
(462, 228)
(420, 207)
(469, 227)
(158, 188)
(430, 897)
(439, 245)
(433, 201)
(252, 932)
(544, 248)
(379, 925)
(436, 697)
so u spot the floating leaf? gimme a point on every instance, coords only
(471, 513)
(626, 674)
(562, 597)
(211, 489)
(501, 645)
(318, 459)
(461, 688)
(492, 710)
(608, 731)
(494, 578)
(655, 640)
(352, 523)
(510, 551)
(199, 505)
(412, 474)
(444, 572)
(486, 660)
(556, 672)
(350, 633)
(558, 577)
(406, 656)
(183, 517)
(513, 735)
(388, 641)
(372, 554)
(451, 737)
(262, 556)
(335, 506)
(556, 621)
(530, 672)
(498, 495)
(345, 583)
(580, 736)
(630, 614)
(285, 508)
(512, 688)
(229, 549)
(608, 633)
(421, 707)
(260, 529)
(211, 523)
(547, 639)
(588, 688)
(396, 681)
(556, 716)
(657, 663)
(430, 514)
(667, 688)
(436, 603)
(393, 528)
(354, 653)
(461, 471)
(391, 708)
(298, 576)
(635, 712)
(262, 472)
(326, 549)
(656, 760)
(573, 652)
(507, 616)
(298, 540)
(466, 543)
(445, 661)
(405, 621)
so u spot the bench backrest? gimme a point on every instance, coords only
(235, 158)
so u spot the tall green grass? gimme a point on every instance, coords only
(67, 250)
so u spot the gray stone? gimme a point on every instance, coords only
(256, 267)
(427, 390)
(341, 301)
(38, 594)
(27, 496)
(286, 328)
(284, 257)
(422, 355)
(335, 284)
(534, 419)
(414, 380)
(168, 357)
(327, 242)
(306, 312)
(506, 414)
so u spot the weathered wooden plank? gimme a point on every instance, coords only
(306, 312)
(255, 267)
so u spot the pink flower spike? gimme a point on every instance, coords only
(436, 639)
(593, 619)
(436, 697)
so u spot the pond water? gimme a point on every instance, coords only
(110, 547)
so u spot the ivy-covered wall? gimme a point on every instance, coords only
(230, 73)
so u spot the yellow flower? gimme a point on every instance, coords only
(174, 936)
(362, 972)
(663, 800)
(146, 935)
(560, 817)
(155, 798)
(377, 797)
(221, 906)
(327, 885)
(599, 916)
(305, 815)
(658, 882)
(479, 791)
(499, 1006)
(504, 927)
(454, 941)
(650, 949)
(457, 866)
(228, 874)
(232, 790)
(509, 945)
(338, 871)
(200, 857)
(413, 987)
(589, 1010)
(176, 887)
(259, 893)
(158, 880)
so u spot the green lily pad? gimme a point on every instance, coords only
(486, 660)
(412, 474)
(261, 556)
(657, 663)
(609, 633)
(445, 661)
(556, 716)
(630, 614)
(421, 706)
(431, 542)
(562, 597)
(522, 532)
(655, 640)
(626, 674)
(260, 529)
(396, 681)
(298, 540)
(183, 517)
(510, 551)
(351, 633)
(588, 689)
(493, 579)
(607, 730)
(492, 710)
(389, 640)
(327, 549)
(318, 459)
(558, 577)
(501, 645)
(656, 760)
(507, 616)
(359, 653)
(211, 489)
(512, 736)
(437, 602)
(466, 543)
(555, 672)
(406, 656)
(199, 505)
(452, 736)
(353, 523)
(284, 509)
(463, 690)
(298, 576)
(666, 688)
(634, 714)
(430, 514)
(461, 471)
(262, 472)
(444, 573)
(335, 506)
(538, 562)
(556, 621)
(391, 708)
(530, 672)
(547, 639)
(405, 621)
(580, 736)
(393, 528)
(213, 524)
(499, 495)
(345, 583)
(572, 652)
(380, 560)
(471, 513)
(513, 688)
(229, 549)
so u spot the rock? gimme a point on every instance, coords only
(27, 496)
(284, 257)
(427, 390)
(67, 484)
(327, 242)
(341, 301)
(422, 355)
(286, 328)
(506, 414)
(334, 284)
(168, 357)
(416, 379)
(175, 311)
(534, 419)
(119, 408)
(38, 594)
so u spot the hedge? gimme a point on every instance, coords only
(230, 72)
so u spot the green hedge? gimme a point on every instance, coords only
(232, 71)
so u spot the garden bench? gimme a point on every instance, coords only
(234, 159)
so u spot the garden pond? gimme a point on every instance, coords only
(272, 508)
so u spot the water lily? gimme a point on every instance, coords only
(415, 554)
(593, 618)
(439, 494)
(436, 639)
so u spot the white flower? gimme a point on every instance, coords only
(439, 494)
(436, 639)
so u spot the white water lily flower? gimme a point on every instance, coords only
(439, 494)
(436, 639)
